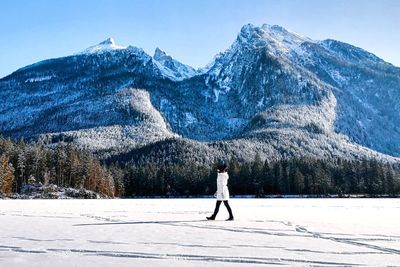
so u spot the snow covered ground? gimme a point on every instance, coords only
(174, 232)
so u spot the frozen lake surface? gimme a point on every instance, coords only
(174, 232)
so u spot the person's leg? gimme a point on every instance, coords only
(229, 209)
(217, 207)
(212, 217)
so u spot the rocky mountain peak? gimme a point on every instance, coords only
(104, 46)
(160, 55)
(108, 41)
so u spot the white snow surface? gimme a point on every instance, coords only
(174, 232)
(38, 79)
(107, 45)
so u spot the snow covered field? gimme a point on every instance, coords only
(174, 232)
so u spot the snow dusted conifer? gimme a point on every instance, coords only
(21, 164)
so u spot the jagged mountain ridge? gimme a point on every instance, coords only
(171, 67)
(269, 81)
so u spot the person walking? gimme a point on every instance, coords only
(222, 193)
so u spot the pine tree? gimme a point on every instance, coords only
(1, 174)
(277, 174)
(298, 181)
(256, 173)
(234, 176)
(7, 173)
(267, 176)
(21, 165)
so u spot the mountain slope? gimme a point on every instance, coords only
(171, 67)
(80, 92)
(272, 92)
(367, 91)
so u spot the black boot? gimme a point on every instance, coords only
(229, 210)
(211, 218)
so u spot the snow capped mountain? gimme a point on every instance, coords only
(84, 98)
(272, 92)
(276, 38)
(277, 70)
(166, 65)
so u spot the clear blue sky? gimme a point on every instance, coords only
(192, 31)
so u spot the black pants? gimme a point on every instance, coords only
(226, 205)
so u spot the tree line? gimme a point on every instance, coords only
(23, 163)
(261, 178)
(65, 166)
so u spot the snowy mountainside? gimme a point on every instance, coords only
(86, 95)
(272, 92)
(269, 68)
(171, 67)
(143, 124)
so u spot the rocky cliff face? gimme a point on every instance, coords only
(272, 92)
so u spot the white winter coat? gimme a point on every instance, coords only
(222, 188)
